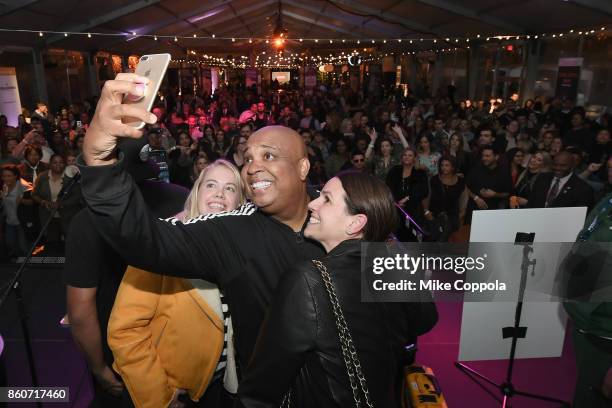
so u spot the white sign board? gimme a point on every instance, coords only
(281, 77)
(482, 323)
(10, 104)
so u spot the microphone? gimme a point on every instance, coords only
(66, 188)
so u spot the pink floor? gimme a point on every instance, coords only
(554, 377)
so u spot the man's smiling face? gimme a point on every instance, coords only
(275, 168)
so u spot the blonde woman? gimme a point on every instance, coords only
(169, 336)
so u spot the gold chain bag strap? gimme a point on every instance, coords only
(351, 359)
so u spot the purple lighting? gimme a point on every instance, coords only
(207, 14)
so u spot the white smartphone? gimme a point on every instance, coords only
(154, 67)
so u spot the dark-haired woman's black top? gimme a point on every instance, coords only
(298, 345)
(445, 197)
(414, 186)
(524, 186)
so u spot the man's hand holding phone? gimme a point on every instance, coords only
(106, 126)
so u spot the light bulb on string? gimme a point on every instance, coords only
(88, 35)
(40, 34)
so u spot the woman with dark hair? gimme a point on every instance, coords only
(221, 144)
(515, 163)
(388, 154)
(339, 157)
(208, 133)
(299, 353)
(427, 157)
(235, 155)
(409, 187)
(456, 151)
(445, 206)
(416, 126)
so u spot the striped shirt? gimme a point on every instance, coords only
(220, 370)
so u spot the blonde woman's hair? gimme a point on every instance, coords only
(191, 205)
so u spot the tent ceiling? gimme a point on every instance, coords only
(324, 19)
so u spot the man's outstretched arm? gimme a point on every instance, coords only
(120, 214)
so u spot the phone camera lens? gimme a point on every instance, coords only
(144, 58)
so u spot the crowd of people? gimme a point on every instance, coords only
(442, 159)
(429, 162)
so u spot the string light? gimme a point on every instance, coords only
(467, 39)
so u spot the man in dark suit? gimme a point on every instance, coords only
(561, 188)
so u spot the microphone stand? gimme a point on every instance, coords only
(14, 284)
(516, 332)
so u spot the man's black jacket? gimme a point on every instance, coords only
(575, 193)
(244, 251)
